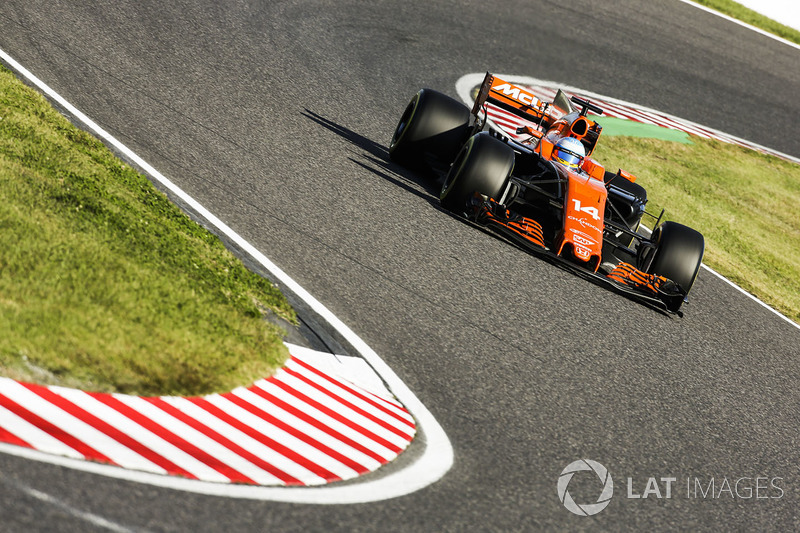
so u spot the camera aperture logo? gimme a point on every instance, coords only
(585, 509)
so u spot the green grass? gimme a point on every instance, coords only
(739, 12)
(745, 204)
(104, 283)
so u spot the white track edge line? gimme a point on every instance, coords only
(435, 460)
(744, 24)
(469, 81)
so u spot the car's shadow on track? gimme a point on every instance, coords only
(378, 155)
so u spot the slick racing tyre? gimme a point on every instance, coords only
(433, 123)
(678, 253)
(483, 165)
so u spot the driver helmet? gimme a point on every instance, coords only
(569, 151)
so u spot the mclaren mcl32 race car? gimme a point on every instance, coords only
(543, 191)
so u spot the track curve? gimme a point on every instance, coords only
(276, 116)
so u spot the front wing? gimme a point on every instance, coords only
(650, 289)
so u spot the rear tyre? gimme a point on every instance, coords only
(433, 123)
(483, 165)
(678, 253)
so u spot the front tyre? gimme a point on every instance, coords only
(432, 122)
(678, 253)
(483, 165)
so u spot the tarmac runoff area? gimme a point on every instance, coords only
(302, 428)
(321, 419)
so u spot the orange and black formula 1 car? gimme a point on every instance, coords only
(544, 192)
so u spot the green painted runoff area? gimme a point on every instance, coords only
(616, 127)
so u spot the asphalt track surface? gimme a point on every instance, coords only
(276, 117)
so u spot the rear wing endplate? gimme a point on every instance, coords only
(510, 97)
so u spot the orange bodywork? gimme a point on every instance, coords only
(585, 199)
(510, 96)
(595, 170)
(545, 148)
(584, 206)
(522, 227)
(627, 175)
(515, 99)
(628, 274)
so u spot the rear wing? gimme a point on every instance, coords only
(516, 100)
(564, 115)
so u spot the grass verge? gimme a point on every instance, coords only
(739, 12)
(104, 283)
(745, 204)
